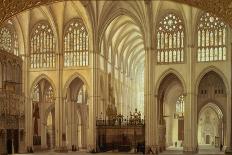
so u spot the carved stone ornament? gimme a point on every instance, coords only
(222, 8)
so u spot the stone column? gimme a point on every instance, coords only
(28, 129)
(43, 121)
(79, 136)
(73, 124)
(60, 104)
(228, 138)
(150, 111)
(228, 141)
(60, 109)
(190, 110)
(69, 123)
(150, 106)
(190, 123)
(94, 102)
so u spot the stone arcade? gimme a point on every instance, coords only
(91, 75)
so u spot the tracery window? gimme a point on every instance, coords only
(49, 96)
(76, 44)
(36, 93)
(42, 51)
(179, 113)
(82, 95)
(9, 40)
(170, 39)
(180, 104)
(211, 39)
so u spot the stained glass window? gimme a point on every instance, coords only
(82, 95)
(42, 51)
(180, 104)
(211, 42)
(36, 93)
(9, 40)
(76, 44)
(170, 39)
(49, 96)
(49, 119)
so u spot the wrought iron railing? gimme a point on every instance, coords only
(118, 122)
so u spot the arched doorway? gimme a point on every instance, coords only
(77, 114)
(171, 112)
(210, 125)
(211, 103)
(43, 99)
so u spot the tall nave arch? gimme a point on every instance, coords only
(148, 59)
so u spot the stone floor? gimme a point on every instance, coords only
(204, 150)
(117, 153)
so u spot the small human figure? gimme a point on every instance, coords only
(221, 147)
(150, 151)
(138, 148)
(175, 144)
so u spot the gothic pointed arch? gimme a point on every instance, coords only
(73, 77)
(216, 71)
(165, 74)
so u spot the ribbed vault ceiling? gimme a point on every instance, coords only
(125, 39)
(222, 8)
